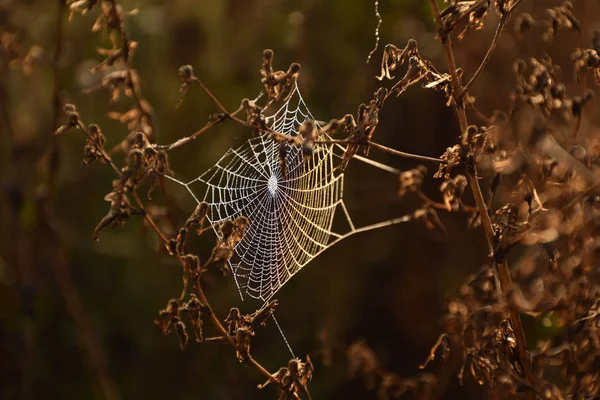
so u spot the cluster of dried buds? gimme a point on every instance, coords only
(279, 85)
(474, 12)
(452, 191)
(589, 59)
(308, 132)
(476, 323)
(293, 379)
(559, 18)
(230, 234)
(13, 55)
(124, 79)
(94, 148)
(541, 88)
(360, 131)
(411, 180)
(144, 163)
(419, 69)
(170, 318)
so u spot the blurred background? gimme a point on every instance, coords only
(76, 316)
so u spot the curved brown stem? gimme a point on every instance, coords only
(488, 55)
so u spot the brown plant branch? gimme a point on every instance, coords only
(398, 153)
(203, 298)
(185, 140)
(488, 55)
(229, 115)
(385, 149)
(106, 158)
(144, 109)
(503, 278)
(142, 105)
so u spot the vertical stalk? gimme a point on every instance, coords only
(502, 271)
(89, 344)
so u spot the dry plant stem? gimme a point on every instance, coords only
(224, 333)
(105, 156)
(125, 43)
(233, 117)
(580, 196)
(403, 154)
(223, 109)
(480, 115)
(198, 286)
(488, 55)
(209, 125)
(583, 83)
(502, 270)
(153, 225)
(385, 149)
(217, 323)
(187, 139)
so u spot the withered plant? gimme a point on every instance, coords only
(525, 176)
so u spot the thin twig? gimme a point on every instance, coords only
(488, 55)
(218, 103)
(384, 149)
(403, 154)
(149, 219)
(185, 140)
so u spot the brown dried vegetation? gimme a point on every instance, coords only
(557, 279)
(533, 151)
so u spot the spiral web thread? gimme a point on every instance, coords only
(291, 215)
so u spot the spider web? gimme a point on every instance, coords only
(291, 215)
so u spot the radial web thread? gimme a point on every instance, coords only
(291, 215)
